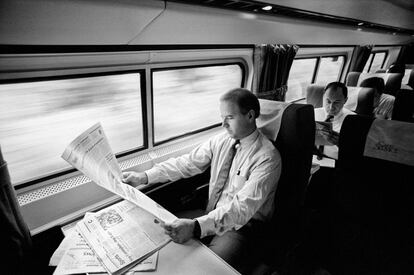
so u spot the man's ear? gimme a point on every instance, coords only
(251, 115)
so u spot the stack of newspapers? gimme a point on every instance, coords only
(124, 237)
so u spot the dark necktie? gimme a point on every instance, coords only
(321, 148)
(222, 177)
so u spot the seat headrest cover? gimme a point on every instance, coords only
(406, 77)
(391, 140)
(270, 118)
(352, 102)
(364, 76)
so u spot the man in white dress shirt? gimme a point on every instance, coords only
(246, 200)
(334, 99)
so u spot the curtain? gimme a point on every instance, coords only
(15, 237)
(406, 55)
(359, 58)
(272, 65)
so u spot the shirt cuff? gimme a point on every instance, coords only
(152, 175)
(206, 225)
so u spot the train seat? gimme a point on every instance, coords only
(372, 216)
(404, 106)
(360, 100)
(408, 79)
(15, 237)
(392, 80)
(295, 142)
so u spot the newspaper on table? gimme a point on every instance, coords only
(74, 256)
(118, 239)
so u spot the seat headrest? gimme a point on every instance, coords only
(314, 95)
(392, 81)
(391, 140)
(270, 118)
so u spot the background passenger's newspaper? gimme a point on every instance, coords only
(118, 239)
(323, 130)
(74, 256)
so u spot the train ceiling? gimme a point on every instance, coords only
(389, 16)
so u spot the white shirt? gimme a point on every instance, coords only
(250, 188)
(320, 115)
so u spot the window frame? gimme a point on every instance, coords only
(373, 53)
(71, 170)
(317, 66)
(152, 138)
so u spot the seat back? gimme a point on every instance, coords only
(392, 81)
(295, 143)
(373, 212)
(314, 95)
(408, 78)
(15, 237)
(404, 106)
(360, 100)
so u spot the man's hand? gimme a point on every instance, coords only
(180, 230)
(134, 179)
(331, 136)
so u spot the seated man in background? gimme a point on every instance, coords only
(383, 103)
(241, 194)
(333, 111)
(319, 191)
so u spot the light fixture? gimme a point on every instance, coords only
(267, 8)
(360, 24)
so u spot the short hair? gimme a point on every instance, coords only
(338, 85)
(374, 82)
(245, 99)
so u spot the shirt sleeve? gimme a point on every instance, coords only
(191, 164)
(261, 183)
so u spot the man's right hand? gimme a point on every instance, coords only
(134, 178)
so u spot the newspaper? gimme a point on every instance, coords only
(91, 154)
(120, 236)
(74, 256)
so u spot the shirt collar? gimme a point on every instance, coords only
(336, 117)
(246, 141)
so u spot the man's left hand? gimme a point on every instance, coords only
(180, 230)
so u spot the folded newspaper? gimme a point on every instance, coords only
(119, 237)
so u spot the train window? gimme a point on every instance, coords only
(305, 71)
(38, 119)
(301, 74)
(186, 99)
(375, 61)
(330, 69)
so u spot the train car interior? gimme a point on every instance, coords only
(151, 72)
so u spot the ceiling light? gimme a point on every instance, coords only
(267, 8)
(360, 24)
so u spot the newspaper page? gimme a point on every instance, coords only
(91, 154)
(122, 235)
(74, 256)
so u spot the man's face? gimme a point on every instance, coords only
(333, 101)
(237, 125)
